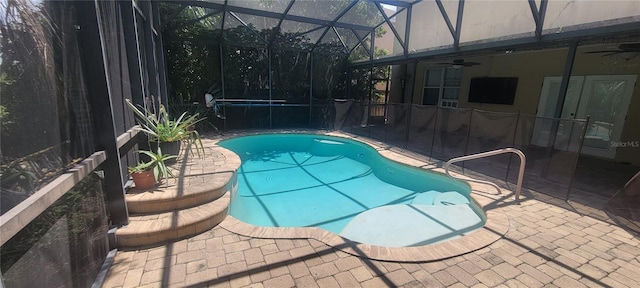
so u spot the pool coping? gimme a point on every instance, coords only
(496, 226)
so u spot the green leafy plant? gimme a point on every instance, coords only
(161, 128)
(157, 163)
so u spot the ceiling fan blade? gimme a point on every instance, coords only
(630, 47)
(471, 63)
(604, 51)
(446, 63)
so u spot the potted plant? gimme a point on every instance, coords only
(165, 132)
(147, 174)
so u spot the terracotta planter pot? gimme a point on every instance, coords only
(143, 180)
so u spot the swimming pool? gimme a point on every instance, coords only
(348, 188)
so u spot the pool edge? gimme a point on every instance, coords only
(495, 227)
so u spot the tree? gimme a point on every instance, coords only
(193, 36)
(191, 43)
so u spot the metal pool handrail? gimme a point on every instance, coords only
(487, 154)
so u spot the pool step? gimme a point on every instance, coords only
(425, 198)
(184, 192)
(440, 198)
(404, 225)
(162, 227)
(450, 198)
(195, 201)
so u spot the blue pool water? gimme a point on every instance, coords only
(305, 180)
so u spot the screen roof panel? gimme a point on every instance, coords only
(516, 19)
(433, 23)
(235, 31)
(398, 22)
(563, 15)
(320, 9)
(314, 36)
(296, 27)
(429, 31)
(204, 17)
(277, 6)
(258, 23)
(348, 37)
(359, 54)
(388, 44)
(362, 34)
(331, 39)
(363, 13)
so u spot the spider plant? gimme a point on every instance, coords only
(162, 128)
(157, 164)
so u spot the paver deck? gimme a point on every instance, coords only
(550, 243)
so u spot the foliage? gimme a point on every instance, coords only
(78, 221)
(206, 123)
(162, 128)
(364, 81)
(5, 118)
(191, 50)
(27, 76)
(193, 38)
(21, 177)
(157, 163)
(16, 174)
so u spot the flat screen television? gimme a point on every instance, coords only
(494, 90)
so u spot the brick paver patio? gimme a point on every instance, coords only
(547, 245)
(550, 243)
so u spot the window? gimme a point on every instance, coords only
(441, 85)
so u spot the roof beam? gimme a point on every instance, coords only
(393, 28)
(538, 15)
(224, 18)
(286, 11)
(393, 15)
(394, 3)
(534, 12)
(372, 47)
(334, 21)
(304, 33)
(269, 14)
(407, 31)
(542, 13)
(456, 38)
(446, 18)
(187, 23)
(548, 40)
(176, 13)
(346, 48)
(361, 40)
(249, 28)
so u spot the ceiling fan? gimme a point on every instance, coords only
(622, 48)
(459, 63)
